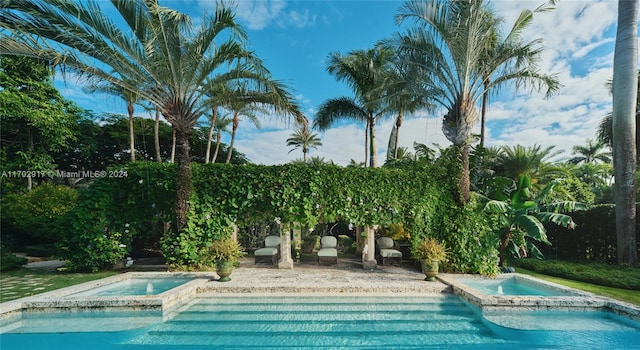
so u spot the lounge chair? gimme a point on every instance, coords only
(271, 251)
(328, 252)
(386, 253)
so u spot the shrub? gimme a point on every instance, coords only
(189, 249)
(310, 243)
(345, 244)
(9, 262)
(473, 245)
(41, 250)
(591, 272)
(36, 214)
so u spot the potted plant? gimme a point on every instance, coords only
(430, 252)
(225, 254)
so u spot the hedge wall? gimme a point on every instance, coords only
(594, 237)
(115, 214)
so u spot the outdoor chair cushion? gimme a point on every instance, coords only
(386, 251)
(271, 251)
(328, 251)
(267, 251)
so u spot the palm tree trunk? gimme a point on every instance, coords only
(625, 89)
(213, 124)
(173, 147)
(236, 121)
(184, 186)
(485, 102)
(464, 185)
(156, 136)
(398, 125)
(218, 141)
(372, 148)
(132, 141)
(366, 144)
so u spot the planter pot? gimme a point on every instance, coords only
(430, 269)
(224, 269)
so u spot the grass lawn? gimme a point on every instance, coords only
(26, 282)
(626, 295)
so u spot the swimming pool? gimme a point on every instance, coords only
(325, 322)
(135, 286)
(514, 285)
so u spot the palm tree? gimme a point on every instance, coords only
(365, 72)
(303, 138)
(625, 94)
(222, 124)
(508, 60)
(139, 41)
(424, 152)
(605, 128)
(401, 96)
(131, 98)
(512, 162)
(213, 118)
(449, 47)
(592, 152)
(246, 111)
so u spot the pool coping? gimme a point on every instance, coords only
(205, 284)
(64, 298)
(579, 301)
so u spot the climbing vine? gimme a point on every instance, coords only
(226, 194)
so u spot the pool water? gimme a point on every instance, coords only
(135, 286)
(324, 322)
(513, 286)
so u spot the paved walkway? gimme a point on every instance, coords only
(309, 277)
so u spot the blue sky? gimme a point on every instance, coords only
(294, 39)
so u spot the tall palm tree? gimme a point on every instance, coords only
(247, 112)
(303, 138)
(137, 41)
(448, 46)
(592, 152)
(365, 72)
(509, 60)
(401, 96)
(213, 118)
(131, 98)
(605, 128)
(625, 94)
(222, 124)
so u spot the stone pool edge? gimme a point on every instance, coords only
(580, 301)
(62, 298)
(204, 284)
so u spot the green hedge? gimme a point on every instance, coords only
(591, 272)
(117, 212)
(594, 237)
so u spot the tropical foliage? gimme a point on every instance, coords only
(455, 47)
(520, 215)
(365, 72)
(157, 52)
(305, 140)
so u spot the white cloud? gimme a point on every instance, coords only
(259, 14)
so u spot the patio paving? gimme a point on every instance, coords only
(308, 277)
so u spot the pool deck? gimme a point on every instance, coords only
(347, 277)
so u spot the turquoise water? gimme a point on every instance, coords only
(512, 286)
(135, 286)
(339, 322)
